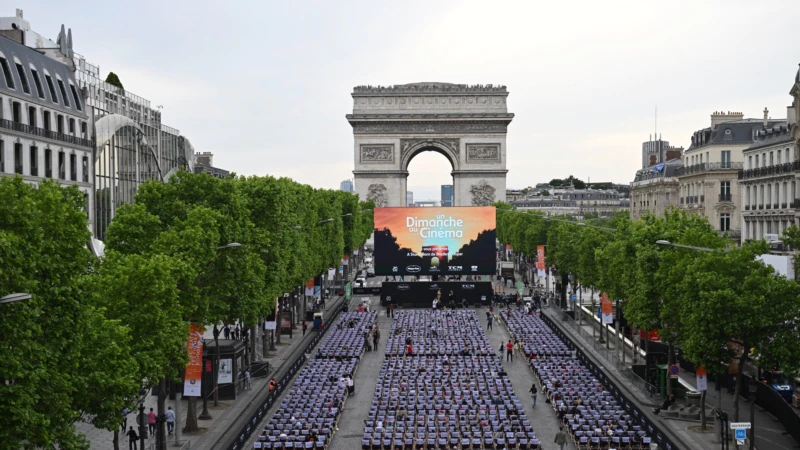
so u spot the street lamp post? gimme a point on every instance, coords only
(753, 387)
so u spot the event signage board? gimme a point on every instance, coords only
(607, 309)
(435, 241)
(540, 265)
(194, 369)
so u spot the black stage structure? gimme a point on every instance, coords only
(420, 294)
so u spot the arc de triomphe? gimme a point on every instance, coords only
(467, 124)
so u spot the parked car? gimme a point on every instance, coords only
(361, 282)
(370, 272)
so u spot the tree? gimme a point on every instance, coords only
(733, 298)
(61, 359)
(544, 193)
(113, 80)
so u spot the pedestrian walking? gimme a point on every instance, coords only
(125, 412)
(376, 336)
(305, 327)
(561, 438)
(350, 385)
(151, 421)
(133, 438)
(170, 421)
(533, 392)
(509, 351)
(489, 320)
(247, 381)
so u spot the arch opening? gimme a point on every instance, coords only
(430, 179)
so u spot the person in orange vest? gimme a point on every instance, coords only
(272, 384)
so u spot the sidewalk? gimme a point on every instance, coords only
(769, 432)
(224, 416)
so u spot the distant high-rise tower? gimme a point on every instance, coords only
(409, 198)
(447, 195)
(346, 185)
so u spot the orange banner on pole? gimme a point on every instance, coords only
(194, 369)
(540, 264)
(606, 308)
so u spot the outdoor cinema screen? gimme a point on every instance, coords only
(435, 241)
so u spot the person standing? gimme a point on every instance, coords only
(125, 412)
(237, 332)
(247, 381)
(509, 351)
(376, 336)
(305, 327)
(533, 392)
(170, 420)
(350, 385)
(561, 438)
(489, 320)
(132, 438)
(227, 331)
(151, 421)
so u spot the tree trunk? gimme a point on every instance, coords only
(670, 362)
(278, 322)
(739, 370)
(191, 415)
(703, 410)
(116, 439)
(161, 439)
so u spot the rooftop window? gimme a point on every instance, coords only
(23, 78)
(75, 97)
(38, 83)
(63, 92)
(6, 72)
(51, 87)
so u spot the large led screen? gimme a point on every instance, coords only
(435, 241)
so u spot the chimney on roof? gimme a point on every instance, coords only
(19, 13)
(766, 117)
(718, 117)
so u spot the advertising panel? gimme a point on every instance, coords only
(194, 369)
(225, 374)
(435, 241)
(540, 266)
(607, 308)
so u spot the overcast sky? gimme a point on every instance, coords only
(265, 86)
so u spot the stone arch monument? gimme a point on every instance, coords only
(466, 124)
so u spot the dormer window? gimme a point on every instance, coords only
(51, 87)
(6, 73)
(75, 97)
(23, 78)
(63, 91)
(37, 82)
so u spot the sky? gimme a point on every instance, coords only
(265, 85)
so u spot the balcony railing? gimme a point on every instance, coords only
(776, 169)
(41, 132)
(708, 167)
(725, 197)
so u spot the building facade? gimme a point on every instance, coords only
(130, 143)
(771, 175)
(709, 179)
(409, 198)
(447, 195)
(204, 163)
(346, 186)
(655, 189)
(657, 151)
(44, 125)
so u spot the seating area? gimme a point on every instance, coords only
(346, 339)
(308, 415)
(445, 400)
(594, 418)
(438, 333)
